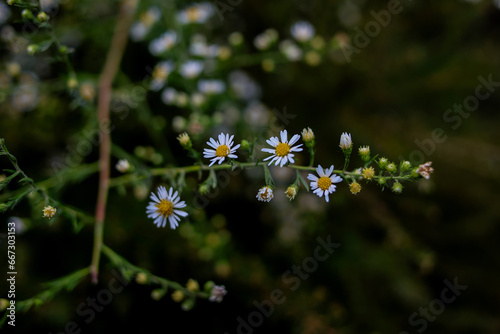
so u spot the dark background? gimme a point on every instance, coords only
(396, 250)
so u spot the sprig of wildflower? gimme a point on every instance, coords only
(309, 139)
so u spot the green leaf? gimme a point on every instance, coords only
(269, 178)
(303, 181)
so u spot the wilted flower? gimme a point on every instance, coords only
(265, 194)
(425, 170)
(217, 294)
(291, 192)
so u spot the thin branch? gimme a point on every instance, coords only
(113, 59)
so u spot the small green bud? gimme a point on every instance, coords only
(382, 181)
(405, 166)
(177, 296)
(42, 17)
(207, 287)
(158, 294)
(245, 145)
(3, 207)
(236, 39)
(364, 153)
(27, 14)
(187, 304)
(203, 189)
(382, 162)
(32, 49)
(397, 187)
(63, 49)
(391, 167)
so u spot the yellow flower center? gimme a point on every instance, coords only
(193, 14)
(165, 208)
(222, 151)
(282, 149)
(324, 183)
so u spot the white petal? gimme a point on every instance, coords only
(269, 157)
(294, 140)
(320, 171)
(312, 177)
(326, 196)
(268, 150)
(180, 205)
(283, 136)
(154, 198)
(235, 148)
(222, 139)
(181, 213)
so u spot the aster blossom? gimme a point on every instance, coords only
(221, 149)
(282, 152)
(324, 184)
(165, 206)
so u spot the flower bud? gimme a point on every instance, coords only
(345, 141)
(192, 285)
(141, 278)
(235, 39)
(245, 145)
(49, 212)
(391, 167)
(364, 153)
(368, 173)
(355, 187)
(291, 191)
(185, 140)
(397, 187)
(382, 163)
(42, 17)
(308, 137)
(177, 296)
(32, 49)
(27, 14)
(405, 166)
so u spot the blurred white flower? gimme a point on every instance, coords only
(122, 166)
(160, 74)
(163, 43)
(196, 13)
(243, 86)
(256, 114)
(302, 31)
(169, 95)
(211, 86)
(290, 50)
(191, 69)
(4, 13)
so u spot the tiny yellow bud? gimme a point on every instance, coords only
(184, 140)
(177, 296)
(192, 285)
(42, 16)
(355, 188)
(291, 192)
(49, 212)
(141, 278)
(368, 173)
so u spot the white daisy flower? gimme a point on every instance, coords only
(197, 13)
(265, 194)
(191, 69)
(281, 154)
(160, 74)
(211, 86)
(302, 31)
(324, 184)
(165, 206)
(163, 43)
(222, 149)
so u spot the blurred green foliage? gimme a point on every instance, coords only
(396, 250)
